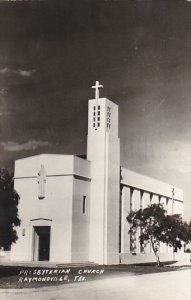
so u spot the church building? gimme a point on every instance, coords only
(73, 209)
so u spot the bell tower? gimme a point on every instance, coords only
(103, 150)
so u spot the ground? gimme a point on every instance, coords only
(157, 286)
(20, 276)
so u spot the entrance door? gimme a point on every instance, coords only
(41, 249)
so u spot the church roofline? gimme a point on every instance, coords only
(104, 98)
(148, 177)
(55, 165)
(44, 154)
(53, 154)
(143, 182)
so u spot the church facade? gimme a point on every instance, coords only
(73, 209)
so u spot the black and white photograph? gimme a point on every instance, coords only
(95, 149)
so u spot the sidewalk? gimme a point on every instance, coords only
(46, 264)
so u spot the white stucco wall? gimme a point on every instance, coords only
(55, 210)
(96, 229)
(112, 196)
(140, 191)
(55, 207)
(125, 209)
(80, 221)
(149, 184)
(104, 154)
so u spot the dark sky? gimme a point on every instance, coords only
(51, 52)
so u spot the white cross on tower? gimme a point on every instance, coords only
(96, 87)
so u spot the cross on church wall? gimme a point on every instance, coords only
(41, 179)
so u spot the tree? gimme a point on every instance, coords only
(187, 239)
(9, 199)
(156, 226)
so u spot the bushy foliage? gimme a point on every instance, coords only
(156, 226)
(8, 210)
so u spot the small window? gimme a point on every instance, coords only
(94, 119)
(94, 113)
(98, 106)
(108, 120)
(93, 124)
(98, 118)
(98, 113)
(94, 107)
(108, 109)
(98, 124)
(84, 204)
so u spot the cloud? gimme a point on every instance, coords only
(3, 91)
(23, 73)
(30, 145)
(4, 113)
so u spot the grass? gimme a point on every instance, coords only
(10, 278)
